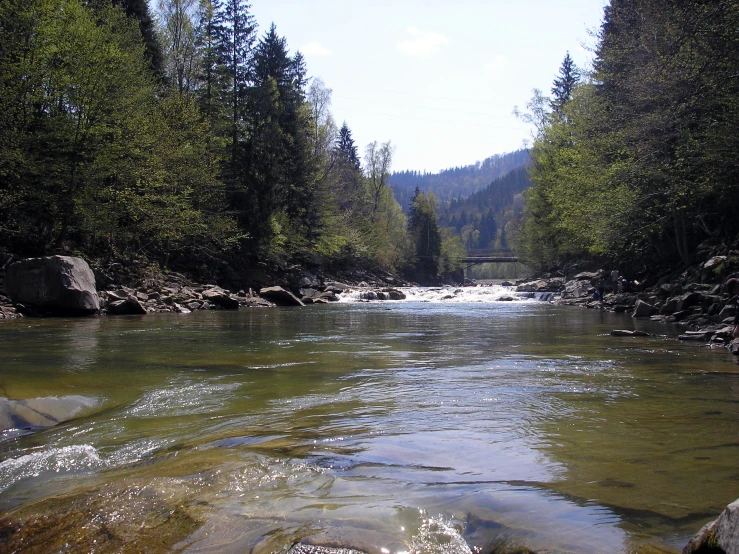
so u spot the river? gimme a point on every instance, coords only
(429, 425)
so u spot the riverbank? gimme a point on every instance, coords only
(702, 299)
(128, 289)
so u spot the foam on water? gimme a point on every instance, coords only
(438, 536)
(183, 397)
(485, 294)
(52, 460)
(74, 458)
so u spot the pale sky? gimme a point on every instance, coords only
(438, 78)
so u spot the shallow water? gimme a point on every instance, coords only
(421, 426)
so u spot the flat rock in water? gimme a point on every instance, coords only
(63, 285)
(43, 411)
(628, 333)
(310, 549)
(696, 335)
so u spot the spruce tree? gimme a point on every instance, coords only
(346, 149)
(139, 9)
(213, 71)
(569, 76)
(239, 34)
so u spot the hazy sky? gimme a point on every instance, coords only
(439, 79)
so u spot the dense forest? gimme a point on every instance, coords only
(184, 138)
(489, 217)
(636, 161)
(455, 182)
(189, 139)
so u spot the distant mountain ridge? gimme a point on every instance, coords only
(457, 182)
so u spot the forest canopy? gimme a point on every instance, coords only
(185, 137)
(636, 162)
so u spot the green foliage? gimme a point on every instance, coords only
(639, 164)
(229, 156)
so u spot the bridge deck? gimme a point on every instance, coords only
(489, 259)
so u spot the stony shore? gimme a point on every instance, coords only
(142, 292)
(702, 301)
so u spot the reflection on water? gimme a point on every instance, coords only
(414, 426)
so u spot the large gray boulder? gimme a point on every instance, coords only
(221, 298)
(578, 289)
(721, 535)
(280, 296)
(62, 285)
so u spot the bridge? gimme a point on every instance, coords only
(485, 256)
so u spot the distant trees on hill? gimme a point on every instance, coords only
(457, 182)
(487, 218)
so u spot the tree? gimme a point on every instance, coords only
(422, 225)
(235, 52)
(564, 84)
(212, 69)
(377, 162)
(178, 32)
(139, 10)
(346, 149)
(275, 190)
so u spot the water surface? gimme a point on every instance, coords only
(417, 426)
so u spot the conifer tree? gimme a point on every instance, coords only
(239, 34)
(346, 149)
(213, 71)
(564, 84)
(139, 9)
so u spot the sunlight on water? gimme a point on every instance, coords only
(68, 458)
(466, 424)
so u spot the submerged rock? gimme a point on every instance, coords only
(62, 285)
(628, 333)
(301, 548)
(43, 411)
(123, 516)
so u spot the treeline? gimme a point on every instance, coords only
(637, 162)
(456, 182)
(489, 217)
(186, 141)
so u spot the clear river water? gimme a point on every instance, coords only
(447, 423)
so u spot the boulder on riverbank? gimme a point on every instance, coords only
(280, 296)
(59, 285)
(129, 306)
(720, 536)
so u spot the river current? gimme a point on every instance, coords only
(451, 422)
